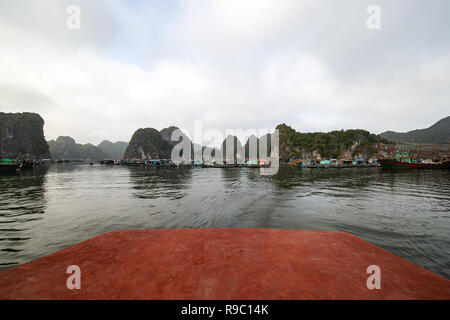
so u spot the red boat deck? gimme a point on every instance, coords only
(222, 264)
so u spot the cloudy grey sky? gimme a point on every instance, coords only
(312, 64)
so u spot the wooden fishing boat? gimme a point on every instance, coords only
(27, 164)
(394, 163)
(8, 166)
(225, 165)
(132, 163)
(108, 162)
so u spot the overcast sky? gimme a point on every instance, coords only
(227, 63)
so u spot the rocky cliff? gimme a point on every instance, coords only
(22, 134)
(335, 144)
(166, 134)
(148, 143)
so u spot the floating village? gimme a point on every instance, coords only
(391, 156)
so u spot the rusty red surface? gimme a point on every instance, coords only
(222, 264)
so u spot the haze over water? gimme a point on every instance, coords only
(405, 212)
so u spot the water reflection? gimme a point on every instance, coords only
(153, 183)
(22, 203)
(405, 212)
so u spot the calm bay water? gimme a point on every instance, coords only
(405, 212)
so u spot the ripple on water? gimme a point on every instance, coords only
(405, 212)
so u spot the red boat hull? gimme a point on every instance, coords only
(389, 163)
(222, 264)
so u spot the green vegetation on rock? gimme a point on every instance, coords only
(334, 144)
(148, 143)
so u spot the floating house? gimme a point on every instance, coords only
(198, 163)
(359, 161)
(263, 162)
(8, 165)
(345, 162)
(252, 163)
(403, 157)
(296, 162)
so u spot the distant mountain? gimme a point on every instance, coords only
(66, 148)
(437, 133)
(113, 150)
(22, 134)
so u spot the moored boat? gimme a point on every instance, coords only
(252, 163)
(133, 163)
(394, 163)
(8, 166)
(107, 162)
(198, 163)
(27, 164)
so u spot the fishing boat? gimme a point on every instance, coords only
(406, 160)
(8, 166)
(436, 157)
(225, 165)
(108, 162)
(28, 164)
(132, 163)
(400, 163)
